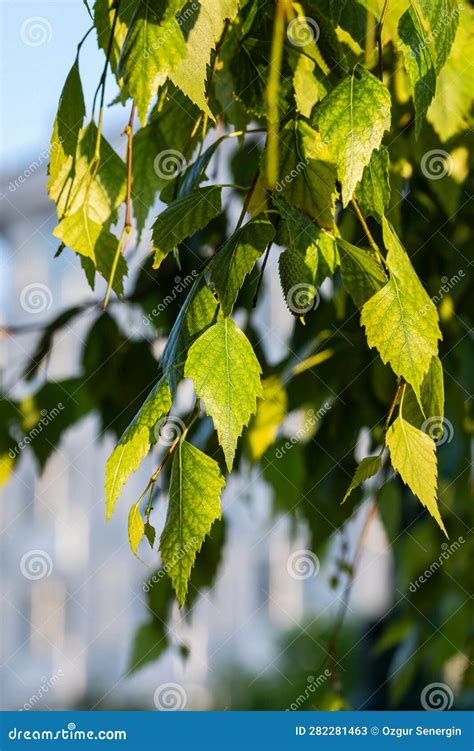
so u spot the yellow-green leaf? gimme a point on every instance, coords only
(352, 120)
(136, 527)
(413, 456)
(135, 443)
(226, 376)
(183, 218)
(236, 259)
(153, 45)
(401, 320)
(194, 504)
(367, 468)
(203, 29)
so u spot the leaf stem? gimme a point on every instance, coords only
(367, 231)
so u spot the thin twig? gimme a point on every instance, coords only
(127, 227)
(379, 37)
(332, 642)
(260, 276)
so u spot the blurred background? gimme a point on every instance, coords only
(72, 594)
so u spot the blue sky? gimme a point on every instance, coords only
(33, 73)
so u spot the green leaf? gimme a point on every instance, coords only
(77, 188)
(271, 410)
(153, 45)
(401, 320)
(310, 257)
(183, 218)
(104, 13)
(413, 456)
(82, 235)
(195, 173)
(135, 443)
(150, 534)
(146, 183)
(195, 489)
(418, 62)
(307, 176)
(362, 274)
(203, 28)
(443, 19)
(67, 126)
(226, 376)
(352, 120)
(432, 401)
(200, 310)
(450, 109)
(149, 642)
(367, 468)
(373, 191)
(136, 527)
(236, 259)
(94, 244)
